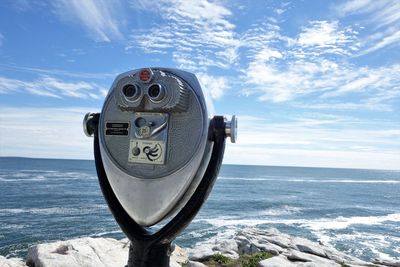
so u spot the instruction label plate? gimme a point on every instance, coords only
(147, 151)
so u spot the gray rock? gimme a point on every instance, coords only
(201, 252)
(13, 262)
(196, 264)
(340, 257)
(251, 243)
(179, 256)
(308, 246)
(100, 252)
(227, 248)
(309, 260)
(295, 255)
(107, 252)
(387, 263)
(245, 246)
(88, 252)
(277, 261)
(173, 264)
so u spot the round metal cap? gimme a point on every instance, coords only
(231, 129)
(88, 128)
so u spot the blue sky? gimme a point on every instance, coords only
(314, 83)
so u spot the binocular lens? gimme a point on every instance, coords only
(156, 92)
(129, 90)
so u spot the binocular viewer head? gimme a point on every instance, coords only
(154, 139)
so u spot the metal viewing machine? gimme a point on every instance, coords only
(157, 153)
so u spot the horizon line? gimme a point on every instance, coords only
(255, 165)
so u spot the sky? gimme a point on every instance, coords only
(313, 83)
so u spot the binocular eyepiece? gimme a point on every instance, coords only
(156, 144)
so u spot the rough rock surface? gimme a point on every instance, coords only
(88, 252)
(79, 252)
(287, 251)
(13, 262)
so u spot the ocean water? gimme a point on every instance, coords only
(356, 211)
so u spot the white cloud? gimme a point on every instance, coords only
(101, 18)
(327, 36)
(381, 12)
(377, 81)
(393, 38)
(257, 155)
(280, 82)
(279, 68)
(44, 132)
(59, 72)
(318, 140)
(320, 131)
(216, 86)
(51, 87)
(383, 19)
(1, 39)
(197, 33)
(315, 63)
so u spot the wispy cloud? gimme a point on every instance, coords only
(320, 130)
(101, 18)
(60, 72)
(316, 140)
(315, 63)
(215, 85)
(312, 62)
(326, 37)
(390, 38)
(52, 129)
(324, 80)
(383, 18)
(197, 33)
(52, 87)
(261, 155)
(382, 12)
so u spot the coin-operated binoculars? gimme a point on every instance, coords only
(157, 153)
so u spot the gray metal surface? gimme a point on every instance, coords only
(149, 191)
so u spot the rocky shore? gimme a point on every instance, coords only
(248, 247)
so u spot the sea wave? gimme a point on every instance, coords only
(305, 180)
(312, 224)
(374, 243)
(344, 222)
(280, 211)
(54, 210)
(106, 233)
(37, 178)
(30, 175)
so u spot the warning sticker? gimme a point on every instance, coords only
(147, 151)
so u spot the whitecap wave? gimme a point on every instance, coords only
(31, 175)
(344, 222)
(312, 224)
(106, 233)
(54, 210)
(280, 211)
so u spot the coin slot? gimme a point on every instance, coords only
(139, 122)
